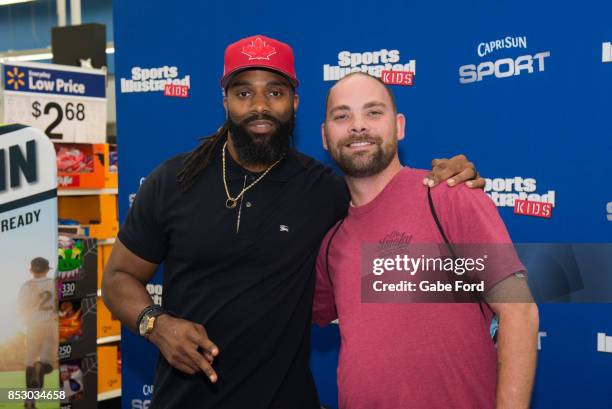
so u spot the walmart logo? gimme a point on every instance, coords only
(15, 78)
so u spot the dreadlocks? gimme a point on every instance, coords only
(198, 159)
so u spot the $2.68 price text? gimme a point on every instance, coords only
(70, 111)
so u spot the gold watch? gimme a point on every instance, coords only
(147, 323)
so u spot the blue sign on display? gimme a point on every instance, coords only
(522, 88)
(33, 78)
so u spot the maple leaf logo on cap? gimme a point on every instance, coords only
(258, 50)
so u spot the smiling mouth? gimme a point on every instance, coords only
(261, 125)
(360, 144)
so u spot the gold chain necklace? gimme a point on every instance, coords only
(230, 203)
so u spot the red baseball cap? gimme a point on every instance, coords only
(258, 52)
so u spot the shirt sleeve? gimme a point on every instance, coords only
(141, 231)
(473, 225)
(323, 306)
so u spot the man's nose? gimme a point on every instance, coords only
(260, 105)
(358, 126)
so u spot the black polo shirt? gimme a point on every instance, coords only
(250, 284)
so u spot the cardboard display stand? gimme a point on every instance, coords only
(28, 250)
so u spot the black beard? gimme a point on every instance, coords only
(352, 167)
(273, 147)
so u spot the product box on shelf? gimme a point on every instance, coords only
(77, 266)
(104, 251)
(81, 165)
(77, 301)
(86, 166)
(108, 326)
(77, 332)
(77, 309)
(79, 379)
(98, 213)
(109, 369)
(111, 172)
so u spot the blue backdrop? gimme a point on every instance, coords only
(539, 109)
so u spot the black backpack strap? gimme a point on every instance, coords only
(447, 242)
(435, 217)
(327, 250)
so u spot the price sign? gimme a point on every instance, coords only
(67, 103)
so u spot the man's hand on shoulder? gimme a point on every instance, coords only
(454, 171)
(185, 345)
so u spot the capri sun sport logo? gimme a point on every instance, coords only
(384, 63)
(503, 67)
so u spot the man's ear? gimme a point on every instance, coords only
(296, 102)
(225, 105)
(400, 123)
(323, 138)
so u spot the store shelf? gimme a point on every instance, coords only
(106, 241)
(109, 340)
(96, 214)
(87, 192)
(109, 395)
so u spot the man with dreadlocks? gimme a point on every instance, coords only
(237, 223)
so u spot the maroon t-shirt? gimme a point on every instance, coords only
(411, 355)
